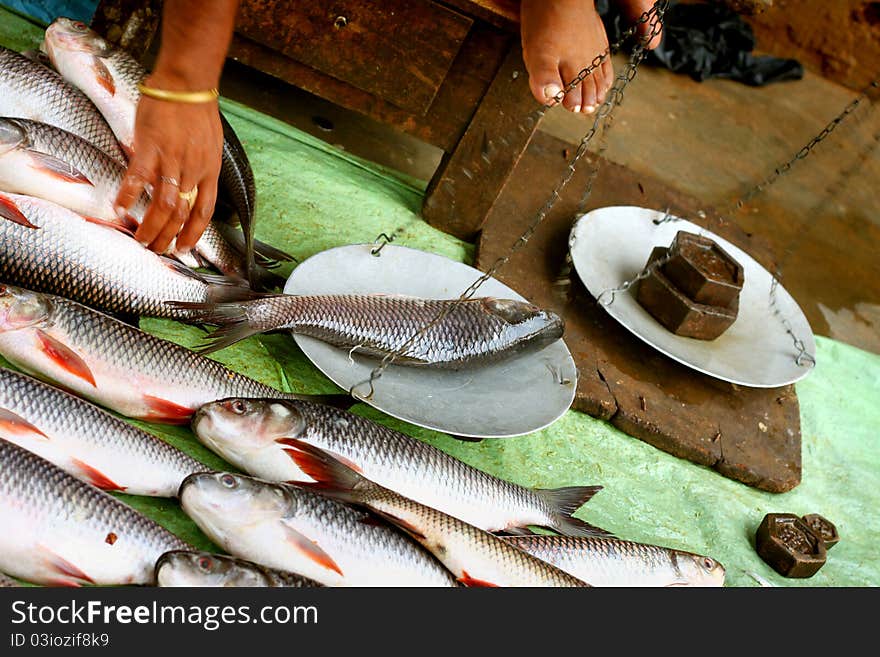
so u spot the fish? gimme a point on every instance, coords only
(30, 90)
(109, 76)
(54, 250)
(88, 442)
(254, 435)
(40, 160)
(474, 556)
(286, 528)
(60, 531)
(117, 365)
(612, 562)
(203, 569)
(477, 332)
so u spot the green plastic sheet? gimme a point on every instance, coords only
(313, 197)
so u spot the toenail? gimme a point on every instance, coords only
(577, 108)
(589, 109)
(551, 91)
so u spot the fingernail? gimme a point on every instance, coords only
(551, 91)
(577, 108)
(120, 211)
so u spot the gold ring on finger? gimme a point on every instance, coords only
(190, 196)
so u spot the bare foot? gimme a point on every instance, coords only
(561, 38)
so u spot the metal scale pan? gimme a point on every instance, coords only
(611, 245)
(517, 396)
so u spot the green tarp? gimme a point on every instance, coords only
(312, 197)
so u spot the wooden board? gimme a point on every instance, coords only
(751, 435)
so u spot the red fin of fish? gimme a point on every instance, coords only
(103, 75)
(293, 442)
(58, 168)
(12, 424)
(68, 574)
(467, 580)
(125, 230)
(162, 410)
(311, 550)
(96, 477)
(65, 357)
(9, 211)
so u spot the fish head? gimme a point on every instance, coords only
(529, 324)
(698, 570)
(238, 428)
(66, 38)
(189, 569)
(21, 308)
(224, 501)
(12, 135)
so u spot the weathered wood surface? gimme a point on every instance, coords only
(469, 180)
(397, 50)
(748, 434)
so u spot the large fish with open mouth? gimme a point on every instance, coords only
(477, 331)
(474, 556)
(611, 562)
(86, 441)
(61, 531)
(109, 77)
(30, 90)
(202, 569)
(37, 159)
(114, 364)
(255, 435)
(47, 247)
(289, 529)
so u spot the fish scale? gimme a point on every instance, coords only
(612, 562)
(89, 442)
(205, 569)
(60, 530)
(32, 91)
(68, 256)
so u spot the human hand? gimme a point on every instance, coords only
(177, 147)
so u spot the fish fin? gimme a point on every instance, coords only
(372, 521)
(564, 502)
(109, 224)
(15, 425)
(261, 278)
(58, 168)
(514, 531)
(68, 573)
(9, 211)
(467, 580)
(231, 316)
(65, 357)
(311, 550)
(95, 477)
(332, 477)
(168, 412)
(342, 401)
(105, 78)
(344, 461)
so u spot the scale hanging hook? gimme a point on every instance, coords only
(381, 241)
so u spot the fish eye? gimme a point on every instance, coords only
(238, 407)
(228, 480)
(79, 26)
(205, 564)
(708, 563)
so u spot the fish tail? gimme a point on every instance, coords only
(332, 477)
(224, 307)
(565, 501)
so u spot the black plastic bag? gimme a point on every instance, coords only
(707, 41)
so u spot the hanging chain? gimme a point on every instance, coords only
(653, 17)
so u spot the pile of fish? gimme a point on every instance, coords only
(327, 498)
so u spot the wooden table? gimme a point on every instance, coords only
(450, 73)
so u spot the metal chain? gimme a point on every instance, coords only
(654, 17)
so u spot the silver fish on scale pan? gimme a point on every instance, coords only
(611, 562)
(46, 247)
(86, 441)
(203, 569)
(114, 364)
(61, 531)
(474, 556)
(289, 529)
(30, 90)
(258, 436)
(478, 331)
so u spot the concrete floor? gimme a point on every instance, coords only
(712, 141)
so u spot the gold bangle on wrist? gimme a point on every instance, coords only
(179, 96)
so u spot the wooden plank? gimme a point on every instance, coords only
(748, 434)
(397, 50)
(470, 178)
(500, 13)
(443, 125)
(131, 24)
